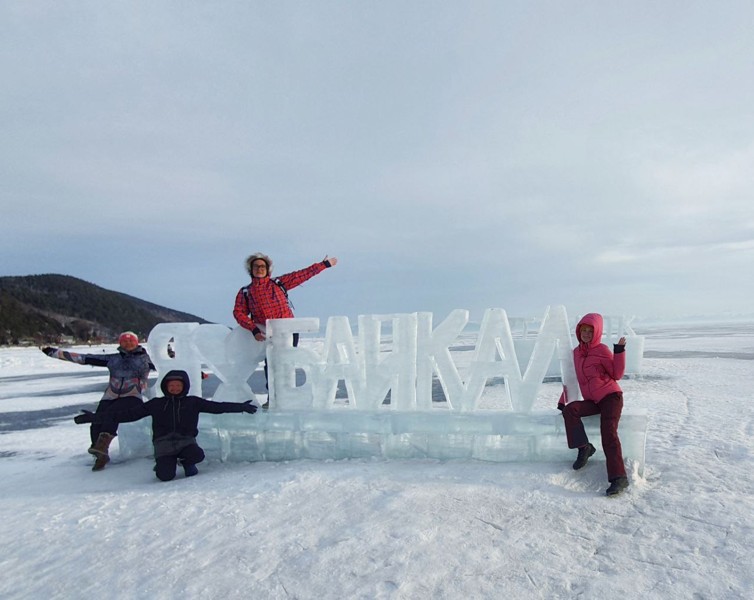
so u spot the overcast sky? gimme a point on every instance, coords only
(468, 155)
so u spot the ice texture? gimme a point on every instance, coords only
(187, 357)
(405, 364)
(433, 356)
(395, 356)
(387, 371)
(232, 355)
(494, 436)
(283, 358)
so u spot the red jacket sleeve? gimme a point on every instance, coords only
(296, 278)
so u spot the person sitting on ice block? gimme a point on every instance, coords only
(267, 298)
(175, 420)
(129, 368)
(598, 371)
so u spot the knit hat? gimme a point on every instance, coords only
(128, 335)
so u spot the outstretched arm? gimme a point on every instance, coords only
(121, 416)
(80, 359)
(296, 278)
(219, 408)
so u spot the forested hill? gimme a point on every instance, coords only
(53, 308)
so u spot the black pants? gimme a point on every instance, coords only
(108, 406)
(165, 465)
(266, 382)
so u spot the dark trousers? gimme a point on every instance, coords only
(108, 406)
(609, 410)
(165, 465)
(266, 382)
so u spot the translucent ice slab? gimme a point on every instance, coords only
(494, 436)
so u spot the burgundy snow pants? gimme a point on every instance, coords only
(609, 410)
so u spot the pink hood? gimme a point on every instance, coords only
(597, 368)
(595, 320)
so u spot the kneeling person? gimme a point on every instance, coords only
(175, 419)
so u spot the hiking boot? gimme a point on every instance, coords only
(102, 444)
(189, 469)
(100, 450)
(100, 462)
(617, 485)
(584, 453)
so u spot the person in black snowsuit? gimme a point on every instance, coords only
(175, 419)
(129, 368)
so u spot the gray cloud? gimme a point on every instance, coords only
(456, 156)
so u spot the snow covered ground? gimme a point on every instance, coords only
(389, 529)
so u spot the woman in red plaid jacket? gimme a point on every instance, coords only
(267, 298)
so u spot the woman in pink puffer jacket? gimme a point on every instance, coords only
(598, 371)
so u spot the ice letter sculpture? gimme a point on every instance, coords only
(388, 372)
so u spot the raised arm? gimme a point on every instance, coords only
(615, 362)
(80, 359)
(296, 278)
(219, 408)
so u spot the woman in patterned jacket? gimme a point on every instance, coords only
(129, 368)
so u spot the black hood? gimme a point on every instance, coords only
(182, 375)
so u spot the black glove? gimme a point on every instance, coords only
(248, 407)
(86, 416)
(48, 351)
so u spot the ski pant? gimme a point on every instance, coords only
(266, 382)
(609, 410)
(165, 465)
(105, 407)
